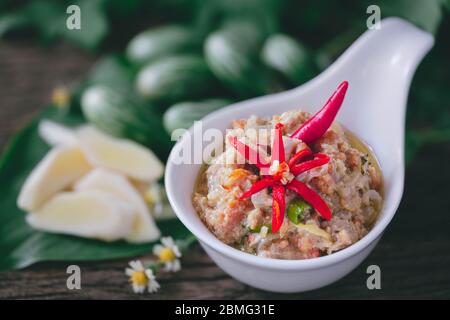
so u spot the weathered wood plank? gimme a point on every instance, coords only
(402, 277)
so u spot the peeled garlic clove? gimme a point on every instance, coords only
(121, 155)
(144, 228)
(61, 167)
(56, 134)
(91, 214)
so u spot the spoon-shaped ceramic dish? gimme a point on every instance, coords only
(379, 67)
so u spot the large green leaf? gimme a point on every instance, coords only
(20, 245)
(12, 20)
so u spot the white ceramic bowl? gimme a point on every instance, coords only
(379, 67)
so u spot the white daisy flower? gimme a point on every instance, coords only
(141, 278)
(168, 253)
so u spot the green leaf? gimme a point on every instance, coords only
(48, 17)
(446, 4)
(11, 21)
(415, 140)
(94, 25)
(20, 245)
(413, 143)
(264, 13)
(427, 14)
(123, 8)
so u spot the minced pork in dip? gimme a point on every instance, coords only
(350, 183)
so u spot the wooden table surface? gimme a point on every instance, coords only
(414, 254)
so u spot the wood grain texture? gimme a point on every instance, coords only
(414, 254)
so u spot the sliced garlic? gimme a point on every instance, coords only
(60, 168)
(144, 228)
(312, 228)
(91, 214)
(122, 155)
(56, 134)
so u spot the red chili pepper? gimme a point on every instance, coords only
(278, 206)
(310, 131)
(299, 156)
(257, 187)
(249, 154)
(319, 160)
(318, 124)
(278, 145)
(274, 180)
(310, 196)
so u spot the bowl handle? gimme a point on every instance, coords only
(379, 66)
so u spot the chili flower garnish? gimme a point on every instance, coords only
(280, 175)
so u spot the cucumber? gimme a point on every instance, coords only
(289, 57)
(122, 114)
(232, 54)
(112, 70)
(175, 78)
(183, 114)
(158, 42)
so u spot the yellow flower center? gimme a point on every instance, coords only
(167, 255)
(60, 97)
(139, 278)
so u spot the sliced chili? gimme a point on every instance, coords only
(318, 124)
(249, 154)
(299, 156)
(257, 187)
(310, 196)
(278, 145)
(278, 206)
(319, 160)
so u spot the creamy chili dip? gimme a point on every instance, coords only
(350, 184)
